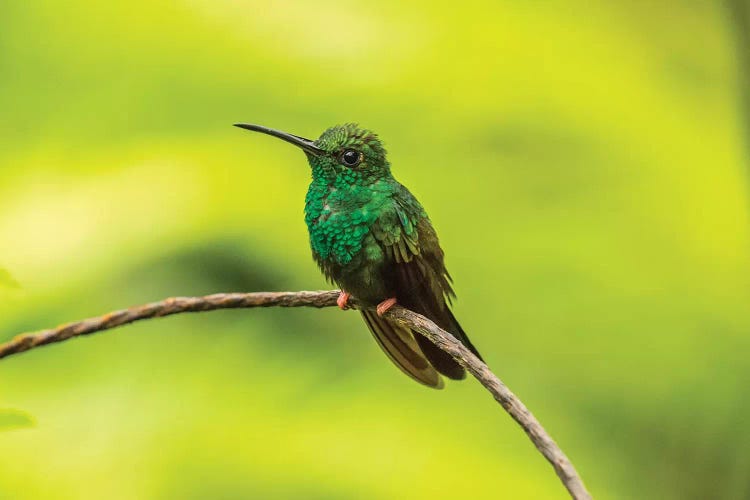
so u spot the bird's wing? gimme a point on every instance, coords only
(409, 241)
(422, 283)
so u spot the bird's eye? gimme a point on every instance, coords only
(351, 158)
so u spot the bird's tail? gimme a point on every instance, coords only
(441, 360)
(399, 344)
(414, 353)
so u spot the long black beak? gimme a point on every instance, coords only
(305, 144)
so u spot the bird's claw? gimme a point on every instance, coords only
(385, 305)
(343, 300)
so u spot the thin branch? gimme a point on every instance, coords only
(444, 340)
(167, 307)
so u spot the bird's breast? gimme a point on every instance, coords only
(338, 224)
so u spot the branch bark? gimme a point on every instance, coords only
(444, 340)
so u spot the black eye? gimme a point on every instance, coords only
(350, 158)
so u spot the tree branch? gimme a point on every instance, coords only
(444, 340)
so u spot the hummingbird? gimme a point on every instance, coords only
(370, 236)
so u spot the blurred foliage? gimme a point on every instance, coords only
(14, 419)
(6, 280)
(582, 162)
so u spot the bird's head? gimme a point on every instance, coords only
(343, 151)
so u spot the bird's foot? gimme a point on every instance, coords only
(343, 300)
(385, 305)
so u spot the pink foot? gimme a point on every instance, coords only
(385, 305)
(343, 300)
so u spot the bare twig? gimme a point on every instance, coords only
(444, 340)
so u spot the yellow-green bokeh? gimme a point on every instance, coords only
(583, 162)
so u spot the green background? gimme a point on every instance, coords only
(583, 162)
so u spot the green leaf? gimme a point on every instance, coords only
(15, 419)
(6, 280)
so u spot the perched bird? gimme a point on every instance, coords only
(371, 237)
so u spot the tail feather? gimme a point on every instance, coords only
(460, 334)
(441, 360)
(441, 315)
(401, 347)
(422, 296)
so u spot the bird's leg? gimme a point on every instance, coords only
(343, 300)
(385, 305)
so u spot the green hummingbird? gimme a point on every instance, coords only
(371, 237)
